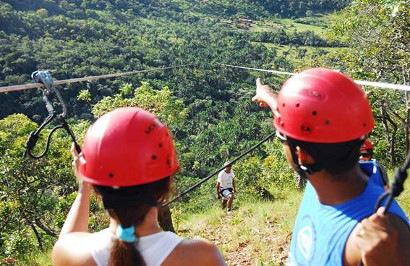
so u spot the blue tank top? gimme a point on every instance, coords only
(372, 169)
(321, 231)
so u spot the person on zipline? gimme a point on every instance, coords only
(128, 158)
(225, 186)
(369, 164)
(322, 117)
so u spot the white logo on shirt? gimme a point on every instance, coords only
(304, 241)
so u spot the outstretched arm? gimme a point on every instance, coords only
(72, 247)
(77, 218)
(265, 96)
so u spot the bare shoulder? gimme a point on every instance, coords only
(73, 249)
(200, 251)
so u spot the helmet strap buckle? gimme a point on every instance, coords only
(311, 168)
(302, 169)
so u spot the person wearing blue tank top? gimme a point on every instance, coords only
(366, 155)
(322, 118)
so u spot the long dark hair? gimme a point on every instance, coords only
(129, 205)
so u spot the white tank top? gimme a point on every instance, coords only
(154, 248)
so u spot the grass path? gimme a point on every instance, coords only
(256, 233)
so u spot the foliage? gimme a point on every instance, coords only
(35, 194)
(80, 38)
(160, 102)
(385, 58)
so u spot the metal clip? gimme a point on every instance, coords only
(43, 76)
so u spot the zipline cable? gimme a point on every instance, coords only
(89, 78)
(260, 70)
(360, 82)
(217, 171)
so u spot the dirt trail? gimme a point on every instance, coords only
(243, 241)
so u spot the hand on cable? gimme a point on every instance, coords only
(75, 164)
(265, 96)
(377, 240)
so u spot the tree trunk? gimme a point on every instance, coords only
(165, 219)
(39, 240)
(391, 136)
(45, 228)
(406, 129)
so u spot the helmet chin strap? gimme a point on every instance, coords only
(302, 170)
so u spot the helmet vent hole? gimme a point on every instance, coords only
(111, 175)
(154, 157)
(364, 124)
(314, 113)
(327, 122)
(169, 161)
(297, 105)
(160, 145)
(283, 104)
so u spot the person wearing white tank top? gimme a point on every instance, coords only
(128, 158)
(154, 248)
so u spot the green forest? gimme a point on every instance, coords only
(206, 105)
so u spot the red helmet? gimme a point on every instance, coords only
(127, 147)
(367, 145)
(323, 106)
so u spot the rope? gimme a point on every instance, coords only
(89, 78)
(217, 171)
(396, 186)
(395, 189)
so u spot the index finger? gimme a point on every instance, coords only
(381, 211)
(259, 82)
(379, 215)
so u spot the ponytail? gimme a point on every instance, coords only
(128, 206)
(125, 253)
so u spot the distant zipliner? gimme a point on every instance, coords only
(366, 155)
(225, 186)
